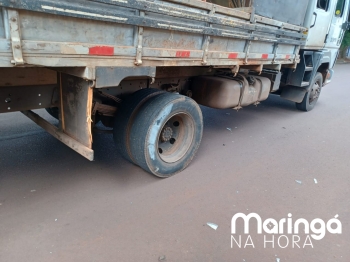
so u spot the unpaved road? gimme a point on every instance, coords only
(57, 206)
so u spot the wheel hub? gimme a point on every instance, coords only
(175, 138)
(166, 134)
(314, 92)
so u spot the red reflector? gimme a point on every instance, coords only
(265, 56)
(287, 56)
(233, 55)
(101, 50)
(183, 54)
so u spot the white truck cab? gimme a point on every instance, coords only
(328, 23)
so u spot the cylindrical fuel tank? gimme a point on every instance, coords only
(229, 92)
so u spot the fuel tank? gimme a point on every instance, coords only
(229, 92)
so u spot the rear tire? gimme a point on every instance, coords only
(125, 118)
(311, 97)
(53, 111)
(166, 134)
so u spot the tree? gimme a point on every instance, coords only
(345, 44)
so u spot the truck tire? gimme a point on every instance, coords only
(125, 117)
(166, 134)
(53, 111)
(311, 97)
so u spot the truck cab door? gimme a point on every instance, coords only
(320, 23)
(338, 24)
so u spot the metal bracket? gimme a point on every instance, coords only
(207, 41)
(296, 54)
(15, 34)
(275, 48)
(138, 60)
(247, 48)
(252, 16)
(235, 70)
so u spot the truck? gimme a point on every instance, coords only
(141, 68)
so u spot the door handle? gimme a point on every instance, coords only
(315, 14)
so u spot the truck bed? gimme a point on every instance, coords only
(101, 33)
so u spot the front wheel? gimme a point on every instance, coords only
(311, 97)
(166, 134)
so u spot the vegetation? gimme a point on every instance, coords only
(345, 45)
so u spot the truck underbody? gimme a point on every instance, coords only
(141, 67)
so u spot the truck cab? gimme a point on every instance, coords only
(328, 21)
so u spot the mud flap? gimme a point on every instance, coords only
(76, 107)
(293, 93)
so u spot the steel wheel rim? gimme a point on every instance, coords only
(314, 92)
(175, 137)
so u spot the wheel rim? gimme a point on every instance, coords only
(314, 92)
(176, 137)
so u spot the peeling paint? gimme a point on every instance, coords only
(179, 27)
(82, 13)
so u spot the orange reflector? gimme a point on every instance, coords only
(232, 55)
(183, 54)
(101, 50)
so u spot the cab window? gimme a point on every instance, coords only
(323, 4)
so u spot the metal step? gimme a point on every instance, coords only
(305, 83)
(309, 68)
